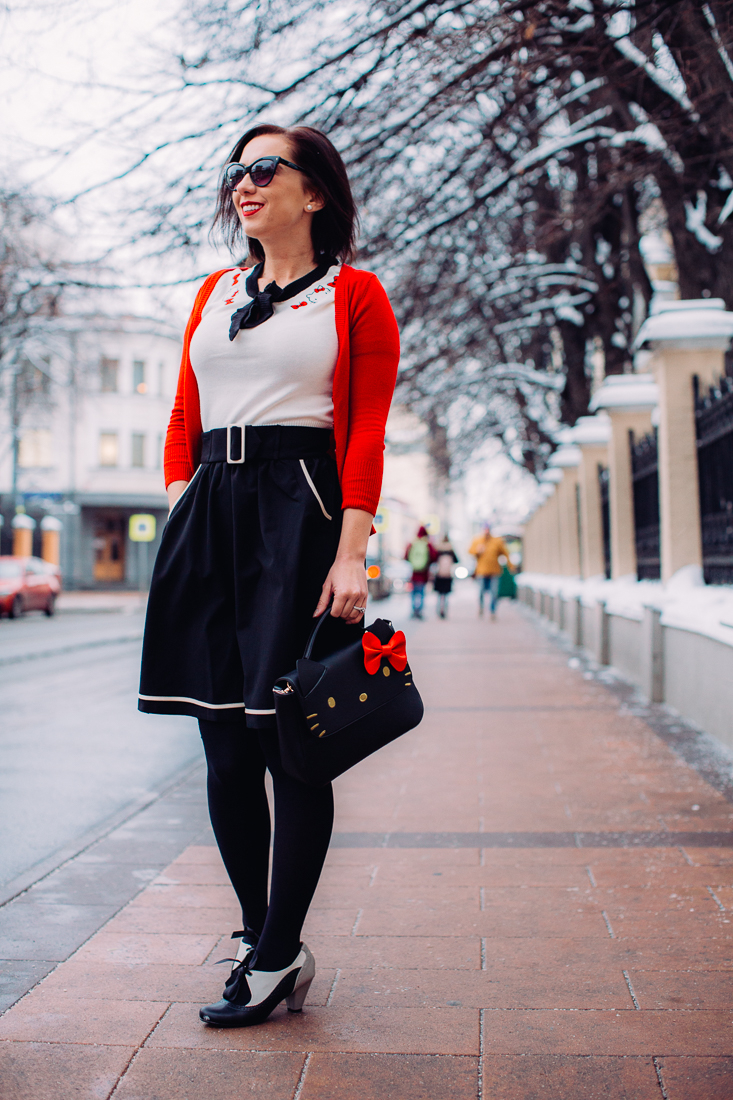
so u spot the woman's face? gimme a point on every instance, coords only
(286, 205)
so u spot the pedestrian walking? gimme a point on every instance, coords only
(420, 554)
(445, 559)
(273, 464)
(487, 549)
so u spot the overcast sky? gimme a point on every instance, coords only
(52, 55)
(68, 70)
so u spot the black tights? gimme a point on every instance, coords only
(240, 816)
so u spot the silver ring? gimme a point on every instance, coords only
(362, 609)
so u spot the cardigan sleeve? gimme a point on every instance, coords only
(178, 464)
(374, 349)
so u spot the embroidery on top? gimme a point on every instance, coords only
(311, 295)
(235, 280)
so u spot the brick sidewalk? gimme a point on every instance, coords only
(573, 950)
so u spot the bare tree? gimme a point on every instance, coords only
(505, 153)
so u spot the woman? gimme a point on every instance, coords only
(446, 558)
(273, 465)
(420, 555)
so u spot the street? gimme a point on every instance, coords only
(74, 750)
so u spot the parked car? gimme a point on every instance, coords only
(27, 584)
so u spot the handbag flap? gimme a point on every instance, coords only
(338, 690)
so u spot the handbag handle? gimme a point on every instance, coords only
(314, 632)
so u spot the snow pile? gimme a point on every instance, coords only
(685, 602)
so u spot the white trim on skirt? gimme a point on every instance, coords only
(201, 703)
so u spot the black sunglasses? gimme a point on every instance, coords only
(260, 171)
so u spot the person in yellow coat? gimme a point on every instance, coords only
(487, 549)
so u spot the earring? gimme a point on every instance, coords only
(309, 206)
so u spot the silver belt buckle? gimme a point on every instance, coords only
(234, 461)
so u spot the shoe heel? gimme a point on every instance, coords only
(296, 999)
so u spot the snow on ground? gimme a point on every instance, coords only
(686, 602)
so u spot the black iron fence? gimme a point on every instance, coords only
(603, 482)
(645, 479)
(714, 425)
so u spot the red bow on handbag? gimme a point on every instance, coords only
(394, 651)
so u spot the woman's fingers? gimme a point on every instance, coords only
(350, 611)
(346, 584)
(344, 604)
(325, 597)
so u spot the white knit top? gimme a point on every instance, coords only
(281, 371)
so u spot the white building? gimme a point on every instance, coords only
(90, 407)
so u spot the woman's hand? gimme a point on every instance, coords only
(347, 580)
(174, 490)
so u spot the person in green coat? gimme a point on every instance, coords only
(420, 554)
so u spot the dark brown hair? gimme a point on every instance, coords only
(333, 229)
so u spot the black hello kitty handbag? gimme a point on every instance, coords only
(335, 711)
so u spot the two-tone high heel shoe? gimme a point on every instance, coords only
(251, 995)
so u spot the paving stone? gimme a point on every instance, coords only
(676, 989)
(532, 920)
(186, 897)
(697, 1078)
(377, 1076)
(19, 975)
(592, 1032)
(425, 952)
(33, 930)
(562, 1077)
(157, 1074)
(194, 874)
(153, 918)
(59, 1071)
(52, 1017)
(157, 947)
(500, 986)
(99, 883)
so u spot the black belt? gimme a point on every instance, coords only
(264, 443)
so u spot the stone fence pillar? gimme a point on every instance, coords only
(686, 339)
(566, 459)
(551, 517)
(628, 399)
(591, 434)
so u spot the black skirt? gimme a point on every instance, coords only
(239, 572)
(443, 585)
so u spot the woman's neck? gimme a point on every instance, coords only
(284, 266)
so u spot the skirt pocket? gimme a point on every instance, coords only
(188, 486)
(312, 487)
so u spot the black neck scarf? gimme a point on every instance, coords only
(260, 308)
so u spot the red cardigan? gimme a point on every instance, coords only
(363, 384)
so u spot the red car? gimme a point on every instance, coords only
(27, 584)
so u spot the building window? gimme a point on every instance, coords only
(159, 445)
(161, 379)
(139, 384)
(109, 369)
(35, 449)
(34, 379)
(109, 449)
(138, 449)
